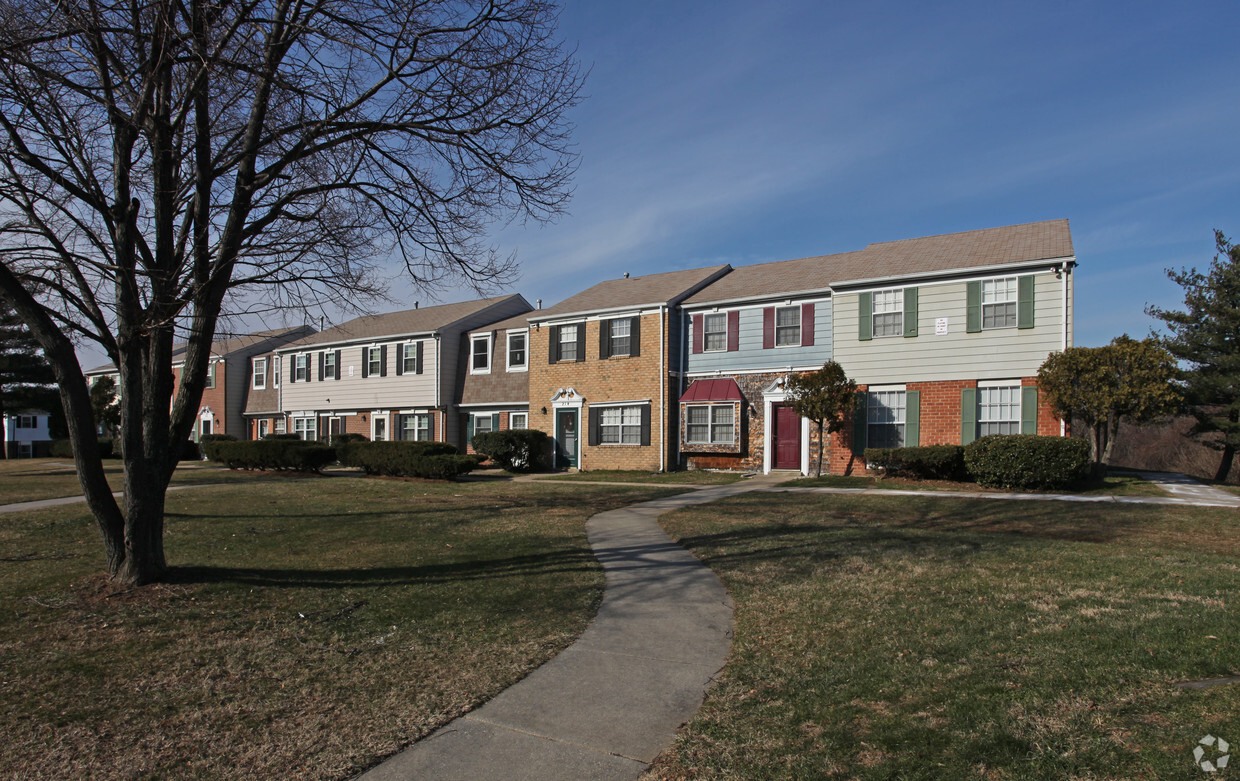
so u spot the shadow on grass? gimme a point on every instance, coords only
(378, 577)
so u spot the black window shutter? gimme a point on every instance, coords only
(604, 339)
(581, 342)
(594, 423)
(322, 359)
(365, 361)
(400, 359)
(553, 354)
(635, 337)
(645, 424)
(418, 361)
(337, 367)
(383, 361)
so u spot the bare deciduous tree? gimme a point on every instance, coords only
(163, 160)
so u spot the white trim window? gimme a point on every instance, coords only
(414, 428)
(305, 427)
(788, 326)
(301, 367)
(888, 314)
(518, 420)
(281, 426)
(480, 355)
(715, 332)
(374, 361)
(620, 330)
(885, 410)
(409, 358)
(277, 362)
(998, 410)
(999, 303)
(620, 426)
(710, 424)
(260, 374)
(329, 365)
(210, 375)
(568, 343)
(482, 423)
(517, 352)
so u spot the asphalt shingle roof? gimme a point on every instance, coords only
(410, 321)
(626, 292)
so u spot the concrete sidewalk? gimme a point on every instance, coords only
(611, 702)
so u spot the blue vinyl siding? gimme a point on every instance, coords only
(750, 354)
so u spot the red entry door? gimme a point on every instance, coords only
(787, 438)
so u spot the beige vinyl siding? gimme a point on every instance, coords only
(990, 354)
(357, 392)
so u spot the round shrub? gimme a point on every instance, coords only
(517, 450)
(1024, 461)
(928, 462)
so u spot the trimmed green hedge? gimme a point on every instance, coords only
(343, 439)
(63, 448)
(272, 454)
(1024, 461)
(517, 450)
(432, 460)
(928, 462)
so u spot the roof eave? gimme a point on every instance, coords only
(957, 272)
(773, 296)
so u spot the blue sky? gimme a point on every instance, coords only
(742, 132)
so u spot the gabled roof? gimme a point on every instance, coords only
(928, 256)
(424, 320)
(222, 348)
(632, 293)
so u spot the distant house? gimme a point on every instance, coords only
(604, 370)
(26, 434)
(944, 336)
(225, 399)
(494, 380)
(389, 376)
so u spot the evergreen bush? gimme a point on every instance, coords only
(516, 450)
(1024, 461)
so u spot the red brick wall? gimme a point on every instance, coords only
(214, 398)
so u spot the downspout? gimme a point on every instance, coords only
(663, 388)
(1067, 269)
(443, 413)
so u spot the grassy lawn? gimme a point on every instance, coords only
(688, 477)
(310, 629)
(32, 479)
(914, 637)
(1118, 483)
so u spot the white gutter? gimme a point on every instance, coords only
(1066, 270)
(952, 272)
(438, 357)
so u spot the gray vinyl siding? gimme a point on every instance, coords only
(990, 354)
(355, 392)
(751, 355)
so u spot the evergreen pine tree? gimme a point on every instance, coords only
(26, 378)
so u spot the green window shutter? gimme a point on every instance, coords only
(910, 311)
(865, 317)
(968, 415)
(495, 422)
(859, 422)
(1024, 302)
(469, 429)
(973, 307)
(1029, 409)
(912, 418)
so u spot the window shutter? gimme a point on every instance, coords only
(968, 414)
(807, 325)
(604, 339)
(322, 360)
(734, 331)
(469, 429)
(594, 422)
(400, 360)
(383, 361)
(292, 368)
(495, 422)
(645, 424)
(699, 322)
(865, 316)
(1029, 409)
(337, 368)
(581, 342)
(417, 368)
(553, 352)
(430, 419)
(912, 418)
(910, 312)
(973, 307)
(635, 337)
(365, 361)
(768, 328)
(1024, 302)
(859, 423)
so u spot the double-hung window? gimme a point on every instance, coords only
(415, 427)
(260, 374)
(305, 428)
(885, 415)
(999, 302)
(480, 355)
(27, 421)
(518, 420)
(329, 365)
(301, 367)
(715, 332)
(998, 410)
(211, 374)
(374, 361)
(482, 424)
(620, 426)
(620, 331)
(281, 426)
(516, 352)
(275, 371)
(409, 358)
(568, 343)
(888, 313)
(787, 326)
(710, 424)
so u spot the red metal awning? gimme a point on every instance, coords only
(713, 390)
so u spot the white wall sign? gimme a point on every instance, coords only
(940, 326)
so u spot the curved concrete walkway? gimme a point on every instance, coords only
(611, 702)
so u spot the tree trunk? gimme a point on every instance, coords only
(822, 445)
(1224, 466)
